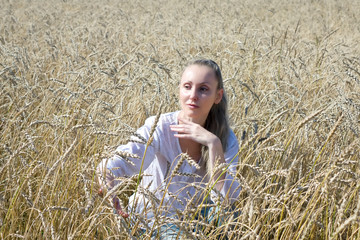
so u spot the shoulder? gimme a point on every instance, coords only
(232, 137)
(233, 142)
(232, 148)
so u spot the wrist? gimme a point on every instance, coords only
(214, 142)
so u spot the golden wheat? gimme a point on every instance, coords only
(77, 78)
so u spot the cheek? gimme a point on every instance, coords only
(182, 93)
(181, 97)
(209, 95)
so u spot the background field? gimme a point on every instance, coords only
(77, 76)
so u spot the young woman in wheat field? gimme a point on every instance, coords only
(201, 130)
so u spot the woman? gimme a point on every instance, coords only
(199, 129)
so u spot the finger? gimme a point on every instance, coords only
(179, 128)
(180, 125)
(180, 135)
(122, 213)
(119, 209)
(184, 136)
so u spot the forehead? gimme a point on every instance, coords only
(198, 73)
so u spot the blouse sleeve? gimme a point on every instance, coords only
(231, 188)
(117, 166)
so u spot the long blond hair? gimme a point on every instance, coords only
(217, 120)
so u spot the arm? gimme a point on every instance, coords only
(226, 185)
(231, 189)
(195, 132)
(216, 157)
(116, 166)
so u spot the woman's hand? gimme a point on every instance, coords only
(193, 131)
(116, 204)
(118, 208)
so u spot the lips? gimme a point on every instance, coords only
(192, 106)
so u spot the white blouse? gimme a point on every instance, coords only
(160, 159)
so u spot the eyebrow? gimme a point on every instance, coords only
(206, 82)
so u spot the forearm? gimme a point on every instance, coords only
(216, 157)
(107, 181)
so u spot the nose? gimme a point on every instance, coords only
(193, 94)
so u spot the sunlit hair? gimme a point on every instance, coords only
(217, 121)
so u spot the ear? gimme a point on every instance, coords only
(219, 95)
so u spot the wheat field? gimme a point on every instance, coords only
(78, 77)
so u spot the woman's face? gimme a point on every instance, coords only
(198, 92)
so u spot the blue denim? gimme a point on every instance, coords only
(169, 231)
(212, 216)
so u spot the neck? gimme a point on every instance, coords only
(200, 121)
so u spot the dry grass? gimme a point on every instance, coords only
(79, 76)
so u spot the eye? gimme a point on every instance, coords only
(203, 89)
(187, 86)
